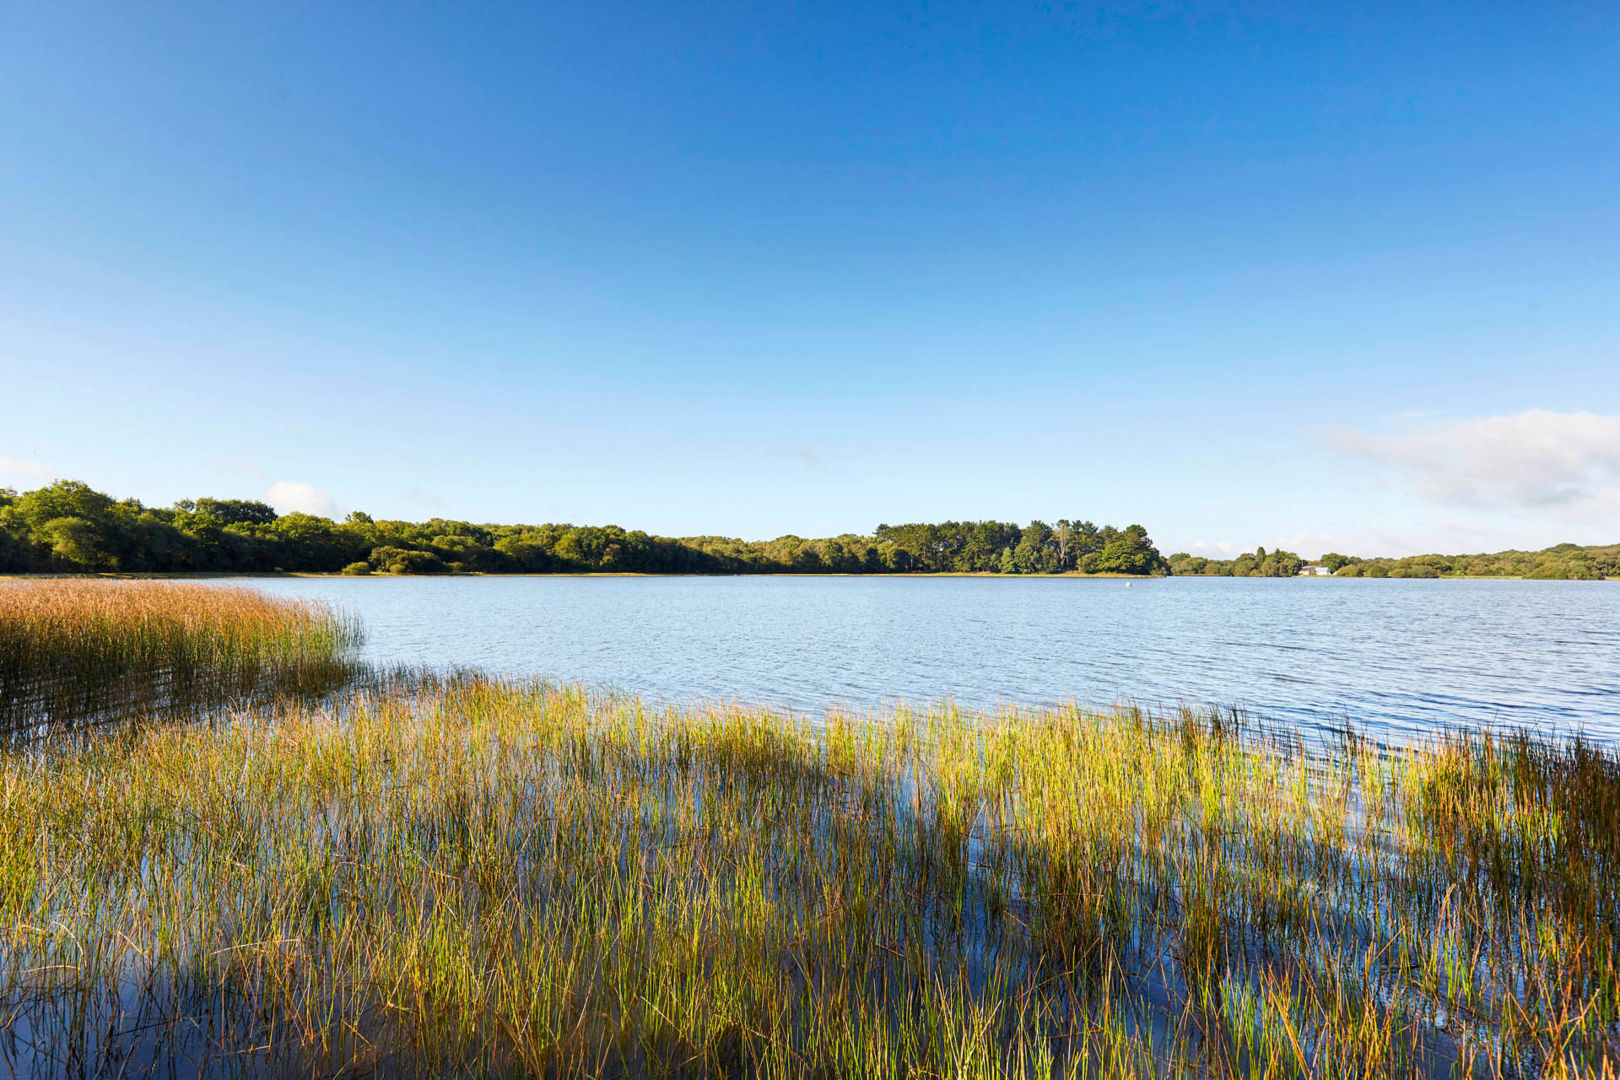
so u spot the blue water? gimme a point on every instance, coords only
(1394, 657)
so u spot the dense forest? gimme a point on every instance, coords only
(1563, 561)
(69, 527)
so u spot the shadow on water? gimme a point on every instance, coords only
(62, 707)
(453, 875)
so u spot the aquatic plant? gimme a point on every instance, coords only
(75, 649)
(465, 876)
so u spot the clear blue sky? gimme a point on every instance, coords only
(1242, 273)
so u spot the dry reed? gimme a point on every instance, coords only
(74, 649)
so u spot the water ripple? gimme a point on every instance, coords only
(1394, 657)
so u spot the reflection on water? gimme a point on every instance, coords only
(1393, 657)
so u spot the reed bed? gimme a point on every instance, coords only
(76, 649)
(473, 877)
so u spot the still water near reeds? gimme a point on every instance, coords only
(468, 878)
(1396, 658)
(86, 652)
(474, 876)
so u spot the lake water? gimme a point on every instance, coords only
(1395, 657)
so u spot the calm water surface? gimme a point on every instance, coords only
(1394, 657)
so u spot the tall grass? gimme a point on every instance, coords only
(75, 649)
(471, 877)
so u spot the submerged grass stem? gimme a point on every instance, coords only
(477, 877)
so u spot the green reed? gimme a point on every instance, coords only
(472, 877)
(75, 649)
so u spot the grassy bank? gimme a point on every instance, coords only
(72, 649)
(475, 878)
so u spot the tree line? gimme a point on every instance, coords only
(1562, 562)
(1569, 562)
(1259, 563)
(69, 527)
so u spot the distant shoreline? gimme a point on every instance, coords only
(159, 575)
(156, 575)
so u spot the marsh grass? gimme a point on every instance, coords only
(72, 650)
(472, 877)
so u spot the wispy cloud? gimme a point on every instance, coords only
(427, 498)
(241, 467)
(292, 496)
(1446, 536)
(26, 470)
(802, 452)
(1564, 464)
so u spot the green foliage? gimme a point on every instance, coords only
(69, 527)
(1259, 563)
(76, 542)
(1128, 552)
(1563, 561)
(394, 560)
(1039, 548)
(230, 511)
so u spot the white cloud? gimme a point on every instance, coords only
(1566, 465)
(26, 469)
(291, 496)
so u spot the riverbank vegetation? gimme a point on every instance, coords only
(1562, 562)
(1259, 563)
(67, 527)
(72, 649)
(464, 876)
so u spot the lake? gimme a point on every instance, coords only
(1395, 657)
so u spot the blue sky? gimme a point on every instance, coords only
(1245, 274)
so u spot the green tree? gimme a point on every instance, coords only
(78, 544)
(235, 511)
(1130, 552)
(1036, 550)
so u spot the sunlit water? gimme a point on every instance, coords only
(1393, 657)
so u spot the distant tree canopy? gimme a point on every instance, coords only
(1039, 548)
(1560, 562)
(1258, 563)
(1564, 561)
(68, 527)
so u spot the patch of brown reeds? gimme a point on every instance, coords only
(71, 649)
